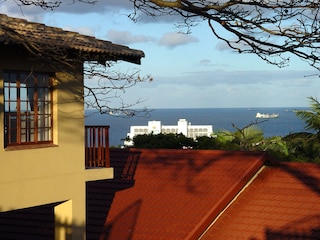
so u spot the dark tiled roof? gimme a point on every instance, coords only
(177, 193)
(19, 31)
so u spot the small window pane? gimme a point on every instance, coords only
(27, 102)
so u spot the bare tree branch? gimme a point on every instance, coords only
(106, 95)
(47, 4)
(271, 29)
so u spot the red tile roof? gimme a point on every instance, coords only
(283, 202)
(180, 194)
(177, 193)
(22, 32)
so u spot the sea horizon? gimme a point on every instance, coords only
(160, 108)
(219, 118)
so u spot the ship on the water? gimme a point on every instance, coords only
(267, 115)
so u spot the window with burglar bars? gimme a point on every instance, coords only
(28, 108)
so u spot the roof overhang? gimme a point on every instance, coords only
(16, 31)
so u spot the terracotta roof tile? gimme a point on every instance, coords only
(177, 193)
(282, 202)
(19, 31)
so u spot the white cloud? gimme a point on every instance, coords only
(230, 89)
(82, 30)
(69, 6)
(126, 37)
(232, 79)
(126, 7)
(174, 39)
(30, 13)
(281, 78)
(208, 63)
(222, 46)
(205, 62)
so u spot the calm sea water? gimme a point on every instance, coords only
(219, 118)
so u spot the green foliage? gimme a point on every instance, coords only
(224, 136)
(205, 142)
(167, 141)
(301, 147)
(248, 137)
(276, 146)
(220, 142)
(311, 117)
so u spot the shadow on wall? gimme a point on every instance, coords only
(33, 224)
(39, 222)
(100, 194)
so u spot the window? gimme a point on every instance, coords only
(28, 108)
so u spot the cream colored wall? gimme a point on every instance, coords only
(32, 177)
(37, 176)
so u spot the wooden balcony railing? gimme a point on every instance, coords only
(97, 153)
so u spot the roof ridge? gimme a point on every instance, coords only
(234, 199)
(228, 197)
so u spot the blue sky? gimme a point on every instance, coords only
(189, 71)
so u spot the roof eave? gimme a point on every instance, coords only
(15, 31)
(104, 57)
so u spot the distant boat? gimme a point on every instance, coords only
(266, 115)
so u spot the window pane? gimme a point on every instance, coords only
(27, 102)
(27, 127)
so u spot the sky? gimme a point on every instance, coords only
(189, 70)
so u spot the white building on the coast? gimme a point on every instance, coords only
(183, 126)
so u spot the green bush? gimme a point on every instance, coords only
(301, 147)
(166, 141)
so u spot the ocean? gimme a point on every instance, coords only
(219, 118)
